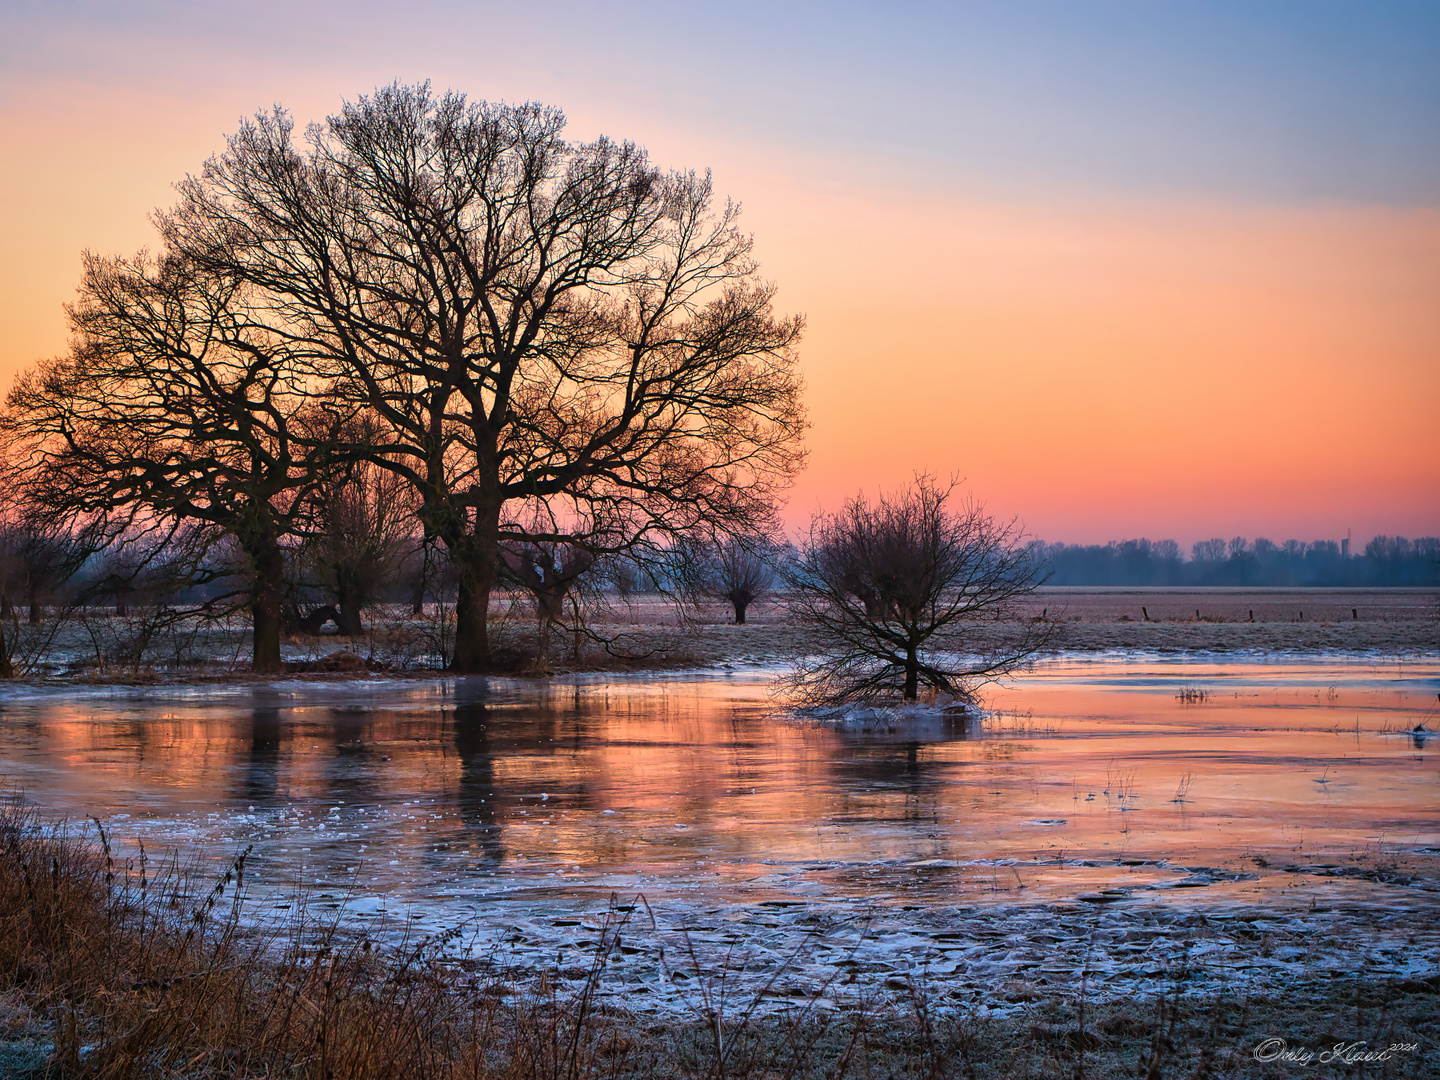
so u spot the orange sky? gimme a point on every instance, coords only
(1171, 369)
(1101, 366)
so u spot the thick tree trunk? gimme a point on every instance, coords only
(475, 554)
(266, 591)
(7, 669)
(348, 616)
(37, 610)
(475, 557)
(472, 603)
(740, 606)
(349, 621)
(912, 674)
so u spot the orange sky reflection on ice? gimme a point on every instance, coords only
(1101, 369)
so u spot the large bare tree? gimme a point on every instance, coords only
(546, 330)
(175, 409)
(910, 591)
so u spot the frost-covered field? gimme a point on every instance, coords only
(991, 960)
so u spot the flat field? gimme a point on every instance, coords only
(1089, 620)
(650, 632)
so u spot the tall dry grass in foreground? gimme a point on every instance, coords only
(149, 970)
(141, 971)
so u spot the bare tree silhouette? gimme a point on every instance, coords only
(898, 589)
(739, 570)
(358, 537)
(552, 573)
(175, 405)
(539, 326)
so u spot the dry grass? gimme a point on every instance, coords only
(146, 970)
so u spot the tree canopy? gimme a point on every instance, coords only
(533, 331)
(178, 407)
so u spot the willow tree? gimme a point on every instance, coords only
(358, 537)
(174, 411)
(911, 591)
(736, 569)
(546, 330)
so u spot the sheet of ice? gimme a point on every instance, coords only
(883, 845)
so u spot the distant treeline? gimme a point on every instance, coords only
(1386, 561)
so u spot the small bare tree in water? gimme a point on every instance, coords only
(910, 591)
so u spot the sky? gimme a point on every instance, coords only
(1126, 268)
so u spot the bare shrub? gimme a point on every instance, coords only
(900, 591)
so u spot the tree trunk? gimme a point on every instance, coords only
(37, 611)
(266, 591)
(912, 674)
(7, 669)
(347, 617)
(349, 621)
(475, 564)
(475, 555)
(740, 606)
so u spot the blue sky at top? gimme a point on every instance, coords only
(1250, 101)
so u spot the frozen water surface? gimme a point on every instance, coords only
(1086, 787)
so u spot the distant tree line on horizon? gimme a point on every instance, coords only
(1387, 561)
